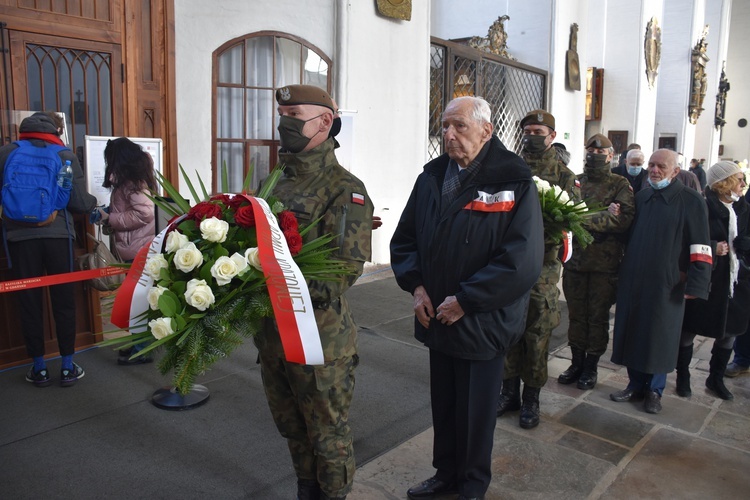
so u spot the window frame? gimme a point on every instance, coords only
(247, 144)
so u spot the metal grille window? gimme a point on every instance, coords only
(247, 72)
(511, 89)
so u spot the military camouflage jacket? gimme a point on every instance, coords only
(314, 185)
(549, 167)
(600, 187)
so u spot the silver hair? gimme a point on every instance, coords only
(635, 152)
(480, 108)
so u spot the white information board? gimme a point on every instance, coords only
(95, 165)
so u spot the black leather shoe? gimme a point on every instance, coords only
(430, 488)
(578, 356)
(626, 395)
(652, 404)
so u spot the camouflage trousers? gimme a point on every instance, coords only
(590, 297)
(528, 357)
(310, 406)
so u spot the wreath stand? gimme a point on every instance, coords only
(167, 398)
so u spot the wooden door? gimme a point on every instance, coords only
(83, 79)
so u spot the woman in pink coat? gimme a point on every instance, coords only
(130, 175)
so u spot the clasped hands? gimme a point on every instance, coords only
(448, 312)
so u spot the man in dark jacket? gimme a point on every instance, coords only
(469, 248)
(633, 169)
(697, 168)
(668, 259)
(39, 250)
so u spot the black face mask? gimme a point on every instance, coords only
(596, 160)
(534, 144)
(290, 133)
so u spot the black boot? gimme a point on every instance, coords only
(717, 367)
(510, 398)
(684, 355)
(588, 377)
(308, 489)
(576, 366)
(529, 417)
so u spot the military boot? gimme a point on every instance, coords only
(588, 377)
(684, 356)
(529, 417)
(510, 397)
(576, 366)
(717, 367)
(308, 489)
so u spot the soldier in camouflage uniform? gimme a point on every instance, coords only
(310, 404)
(527, 359)
(590, 276)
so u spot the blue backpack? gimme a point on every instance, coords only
(30, 191)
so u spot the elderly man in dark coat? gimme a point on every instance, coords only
(668, 259)
(468, 247)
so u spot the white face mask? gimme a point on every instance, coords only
(734, 197)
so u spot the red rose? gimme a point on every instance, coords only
(224, 198)
(294, 240)
(204, 210)
(245, 217)
(288, 221)
(236, 202)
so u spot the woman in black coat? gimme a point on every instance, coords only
(727, 311)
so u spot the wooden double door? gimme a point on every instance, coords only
(68, 57)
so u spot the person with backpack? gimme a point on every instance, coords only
(38, 232)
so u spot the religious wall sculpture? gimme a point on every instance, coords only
(721, 99)
(496, 41)
(652, 50)
(698, 90)
(572, 68)
(396, 9)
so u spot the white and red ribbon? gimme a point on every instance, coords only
(132, 297)
(292, 305)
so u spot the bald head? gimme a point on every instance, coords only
(663, 166)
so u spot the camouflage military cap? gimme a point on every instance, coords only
(598, 141)
(304, 94)
(538, 117)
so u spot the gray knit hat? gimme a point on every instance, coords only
(720, 171)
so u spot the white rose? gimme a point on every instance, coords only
(175, 241)
(199, 294)
(564, 197)
(154, 264)
(153, 296)
(161, 327)
(214, 229)
(188, 258)
(253, 258)
(226, 268)
(541, 184)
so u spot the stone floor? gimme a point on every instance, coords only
(590, 447)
